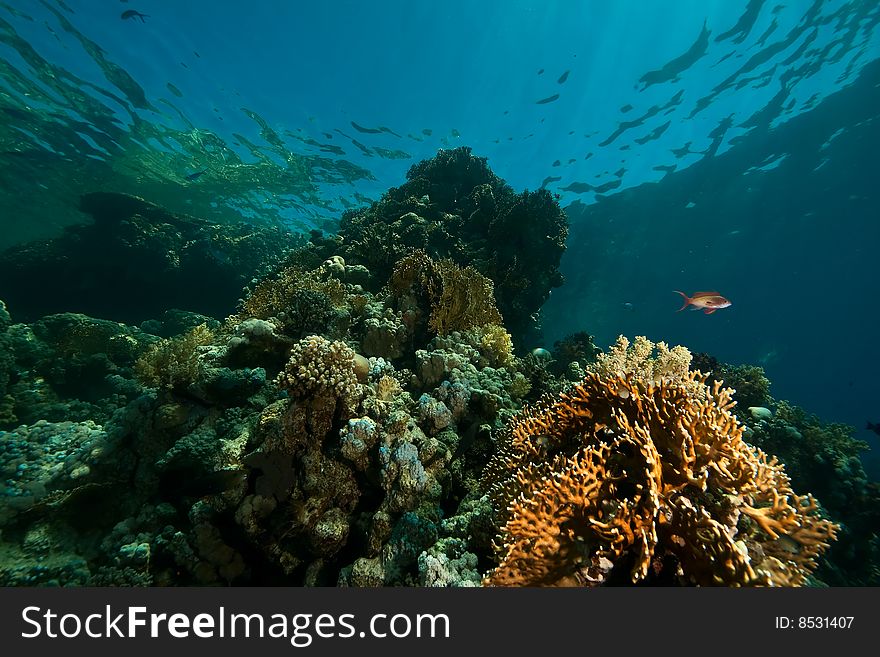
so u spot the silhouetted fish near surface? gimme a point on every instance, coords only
(708, 301)
(870, 426)
(549, 99)
(563, 78)
(131, 13)
(195, 176)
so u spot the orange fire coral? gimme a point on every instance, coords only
(642, 479)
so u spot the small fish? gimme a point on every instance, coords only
(873, 427)
(708, 301)
(131, 13)
(195, 176)
(628, 305)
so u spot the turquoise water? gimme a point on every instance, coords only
(725, 145)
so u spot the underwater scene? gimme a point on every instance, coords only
(471, 293)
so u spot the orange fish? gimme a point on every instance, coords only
(708, 301)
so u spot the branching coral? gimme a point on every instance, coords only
(496, 345)
(826, 457)
(631, 476)
(466, 300)
(304, 300)
(174, 363)
(460, 298)
(749, 382)
(647, 360)
(318, 366)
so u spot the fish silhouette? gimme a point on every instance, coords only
(195, 176)
(131, 13)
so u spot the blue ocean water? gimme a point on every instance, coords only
(720, 145)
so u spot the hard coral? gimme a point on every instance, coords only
(466, 300)
(647, 360)
(749, 382)
(826, 458)
(174, 363)
(453, 206)
(575, 348)
(496, 345)
(459, 298)
(301, 300)
(318, 366)
(628, 477)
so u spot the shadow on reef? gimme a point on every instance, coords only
(137, 260)
(363, 420)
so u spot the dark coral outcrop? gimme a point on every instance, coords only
(137, 260)
(454, 207)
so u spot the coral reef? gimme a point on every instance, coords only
(47, 461)
(464, 300)
(640, 474)
(384, 334)
(336, 428)
(448, 563)
(319, 367)
(575, 348)
(646, 360)
(821, 457)
(300, 302)
(174, 363)
(453, 207)
(68, 367)
(456, 298)
(7, 369)
(825, 457)
(749, 382)
(174, 322)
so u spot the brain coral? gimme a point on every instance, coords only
(630, 479)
